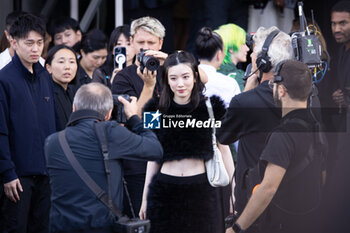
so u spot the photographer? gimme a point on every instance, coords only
(74, 208)
(289, 195)
(147, 33)
(252, 114)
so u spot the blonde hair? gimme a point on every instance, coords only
(148, 24)
(280, 48)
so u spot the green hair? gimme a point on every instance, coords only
(233, 37)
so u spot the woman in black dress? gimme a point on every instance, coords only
(61, 63)
(177, 195)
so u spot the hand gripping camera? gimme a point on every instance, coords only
(150, 62)
(118, 113)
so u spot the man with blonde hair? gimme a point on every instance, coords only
(252, 114)
(146, 33)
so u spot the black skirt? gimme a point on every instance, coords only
(183, 204)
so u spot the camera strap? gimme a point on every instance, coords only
(95, 188)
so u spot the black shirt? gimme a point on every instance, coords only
(63, 104)
(82, 77)
(128, 82)
(250, 117)
(288, 146)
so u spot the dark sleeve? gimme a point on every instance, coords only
(137, 144)
(99, 76)
(232, 124)
(122, 84)
(7, 167)
(278, 150)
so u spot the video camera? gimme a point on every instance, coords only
(150, 62)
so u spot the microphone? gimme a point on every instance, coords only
(248, 71)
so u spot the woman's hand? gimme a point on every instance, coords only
(114, 73)
(142, 213)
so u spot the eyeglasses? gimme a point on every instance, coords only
(277, 79)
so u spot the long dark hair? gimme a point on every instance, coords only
(167, 94)
(108, 66)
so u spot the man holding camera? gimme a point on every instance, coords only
(74, 207)
(289, 193)
(252, 114)
(147, 33)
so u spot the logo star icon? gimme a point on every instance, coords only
(155, 115)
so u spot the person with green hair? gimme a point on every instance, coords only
(235, 49)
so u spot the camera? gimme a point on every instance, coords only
(119, 57)
(230, 220)
(135, 225)
(150, 62)
(118, 113)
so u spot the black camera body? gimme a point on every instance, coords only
(126, 225)
(118, 113)
(230, 220)
(150, 62)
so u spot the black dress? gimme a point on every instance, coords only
(63, 104)
(185, 204)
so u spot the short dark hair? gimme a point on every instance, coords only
(342, 6)
(180, 57)
(25, 24)
(208, 43)
(116, 33)
(10, 18)
(61, 24)
(297, 79)
(93, 40)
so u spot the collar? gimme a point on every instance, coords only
(36, 67)
(84, 114)
(300, 112)
(207, 68)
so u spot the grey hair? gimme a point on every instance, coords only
(280, 48)
(94, 96)
(148, 24)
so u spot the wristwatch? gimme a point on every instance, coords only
(237, 228)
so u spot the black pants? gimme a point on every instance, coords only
(31, 212)
(135, 185)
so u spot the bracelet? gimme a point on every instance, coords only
(237, 228)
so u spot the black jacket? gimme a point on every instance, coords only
(27, 117)
(73, 205)
(63, 104)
